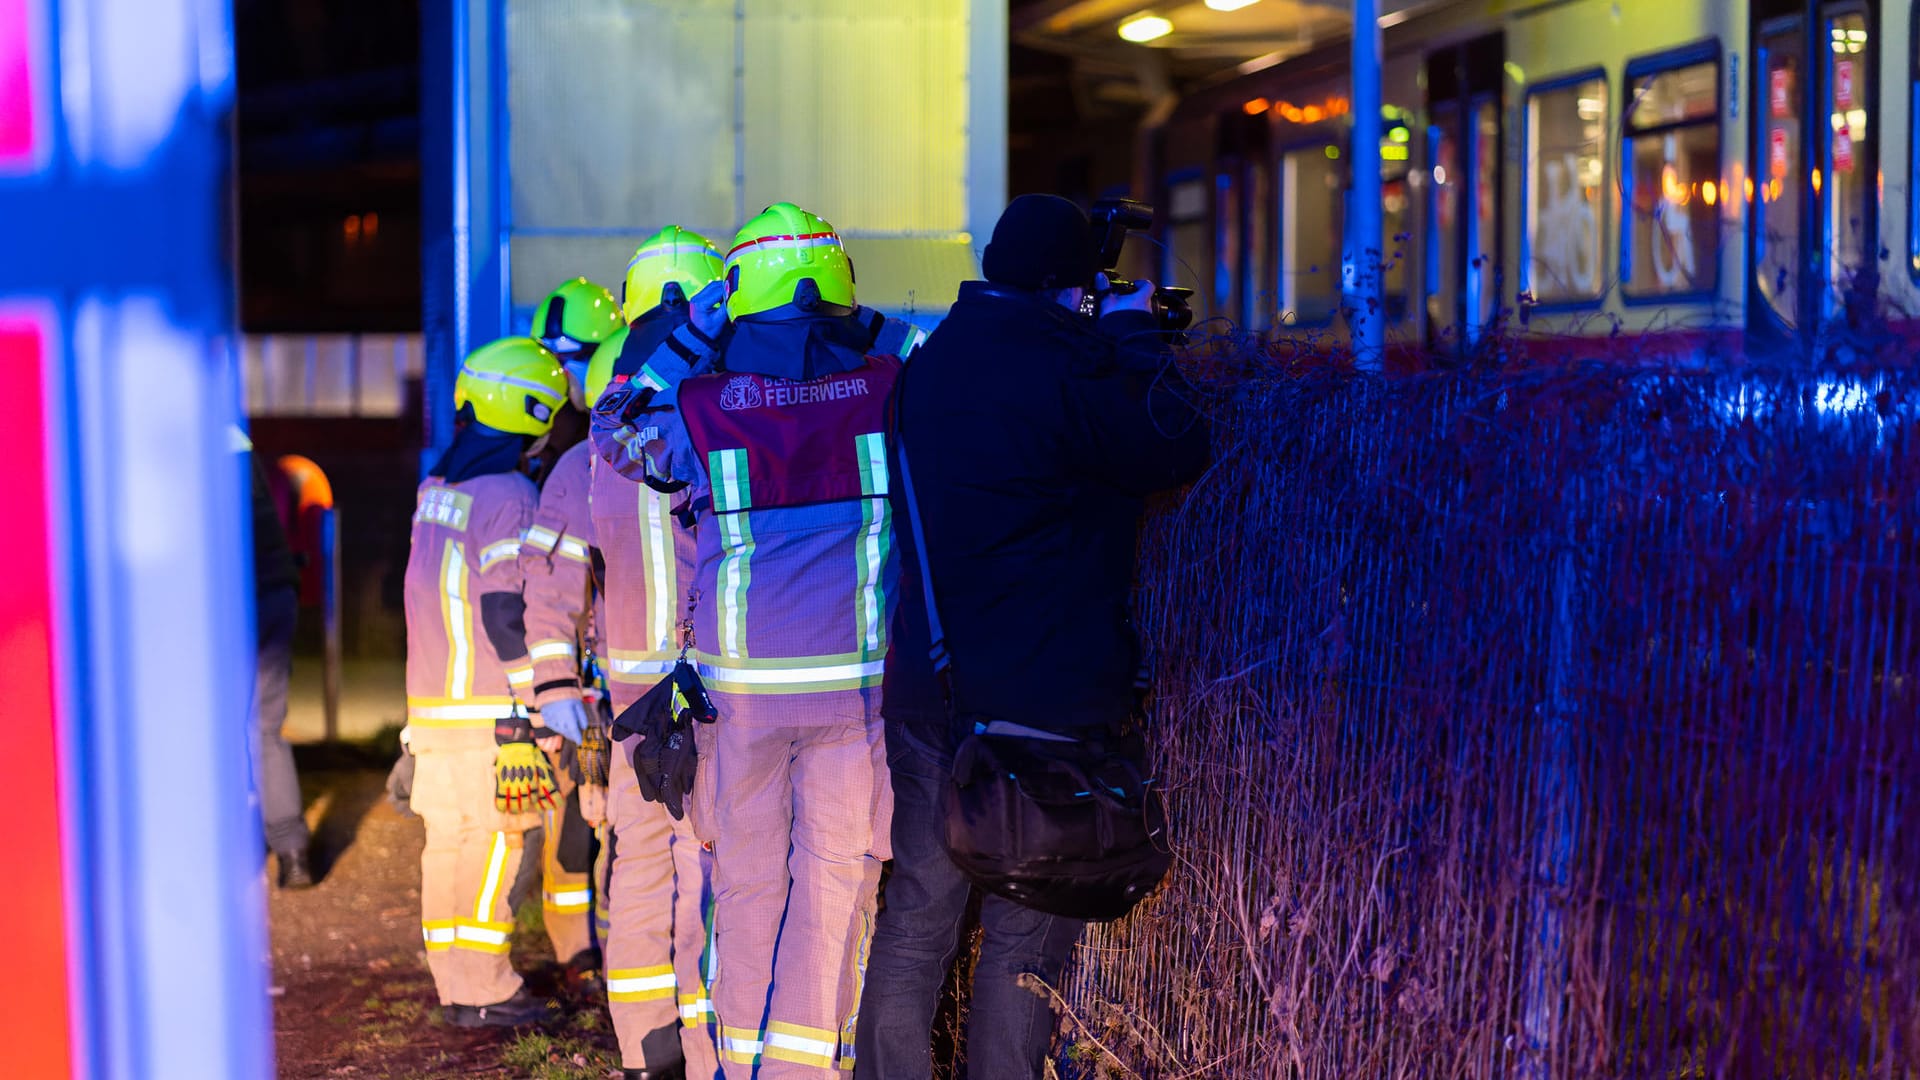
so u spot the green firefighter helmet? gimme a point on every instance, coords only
(774, 257)
(675, 257)
(575, 318)
(514, 384)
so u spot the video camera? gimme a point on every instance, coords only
(1112, 220)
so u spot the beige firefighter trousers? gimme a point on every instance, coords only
(466, 872)
(566, 896)
(800, 817)
(657, 940)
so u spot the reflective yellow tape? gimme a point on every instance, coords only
(569, 901)
(641, 984)
(802, 1045)
(490, 888)
(551, 649)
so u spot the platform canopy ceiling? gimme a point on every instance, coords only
(1199, 42)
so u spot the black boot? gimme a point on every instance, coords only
(582, 975)
(296, 870)
(660, 1044)
(520, 1010)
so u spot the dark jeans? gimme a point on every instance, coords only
(279, 784)
(1008, 1026)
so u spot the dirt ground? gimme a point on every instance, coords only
(352, 997)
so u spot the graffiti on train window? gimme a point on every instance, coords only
(1779, 172)
(1566, 191)
(1673, 182)
(1852, 181)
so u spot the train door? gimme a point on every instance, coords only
(1815, 167)
(1464, 277)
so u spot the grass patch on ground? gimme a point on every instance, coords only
(539, 1056)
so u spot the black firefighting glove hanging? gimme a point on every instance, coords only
(595, 755)
(664, 757)
(523, 780)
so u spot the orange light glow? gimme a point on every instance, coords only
(1816, 181)
(1312, 114)
(1257, 106)
(1749, 189)
(1710, 192)
(1670, 185)
(370, 224)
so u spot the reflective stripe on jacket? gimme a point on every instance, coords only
(465, 545)
(556, 559)
(649, 562)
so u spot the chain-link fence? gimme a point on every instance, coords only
(1525, 725)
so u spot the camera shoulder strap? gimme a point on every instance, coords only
(937, 637)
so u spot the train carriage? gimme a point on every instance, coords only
(1707, 179)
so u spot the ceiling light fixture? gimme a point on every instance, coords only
(1144, 28)
(1230, 5)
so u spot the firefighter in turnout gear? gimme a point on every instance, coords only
(657, 946)
(469, 676)
(779, 457)
(556, 560)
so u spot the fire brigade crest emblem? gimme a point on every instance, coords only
(741, 392)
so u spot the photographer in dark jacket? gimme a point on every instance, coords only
(1034, 436)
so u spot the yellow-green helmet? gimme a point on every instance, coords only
(600, 368)
(575, 318)
(514, 384)
(778, 250)
(673, 256)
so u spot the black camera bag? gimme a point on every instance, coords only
(1065, 826)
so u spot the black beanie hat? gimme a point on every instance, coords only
(1041, 242)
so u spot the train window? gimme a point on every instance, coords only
(1672, 182)
(1443, 216)
(1395, 205)
(1850, 181)
(1185, 254)
(1311, 222)
(1257, 292)
(1913, 163)
(1226, 238)
(1566, 146)
(1779, 168)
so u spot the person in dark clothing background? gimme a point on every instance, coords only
(276, 583)
(1034, 437)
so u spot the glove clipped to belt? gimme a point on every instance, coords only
(595, 755)
(523, 780)
(664, 756)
